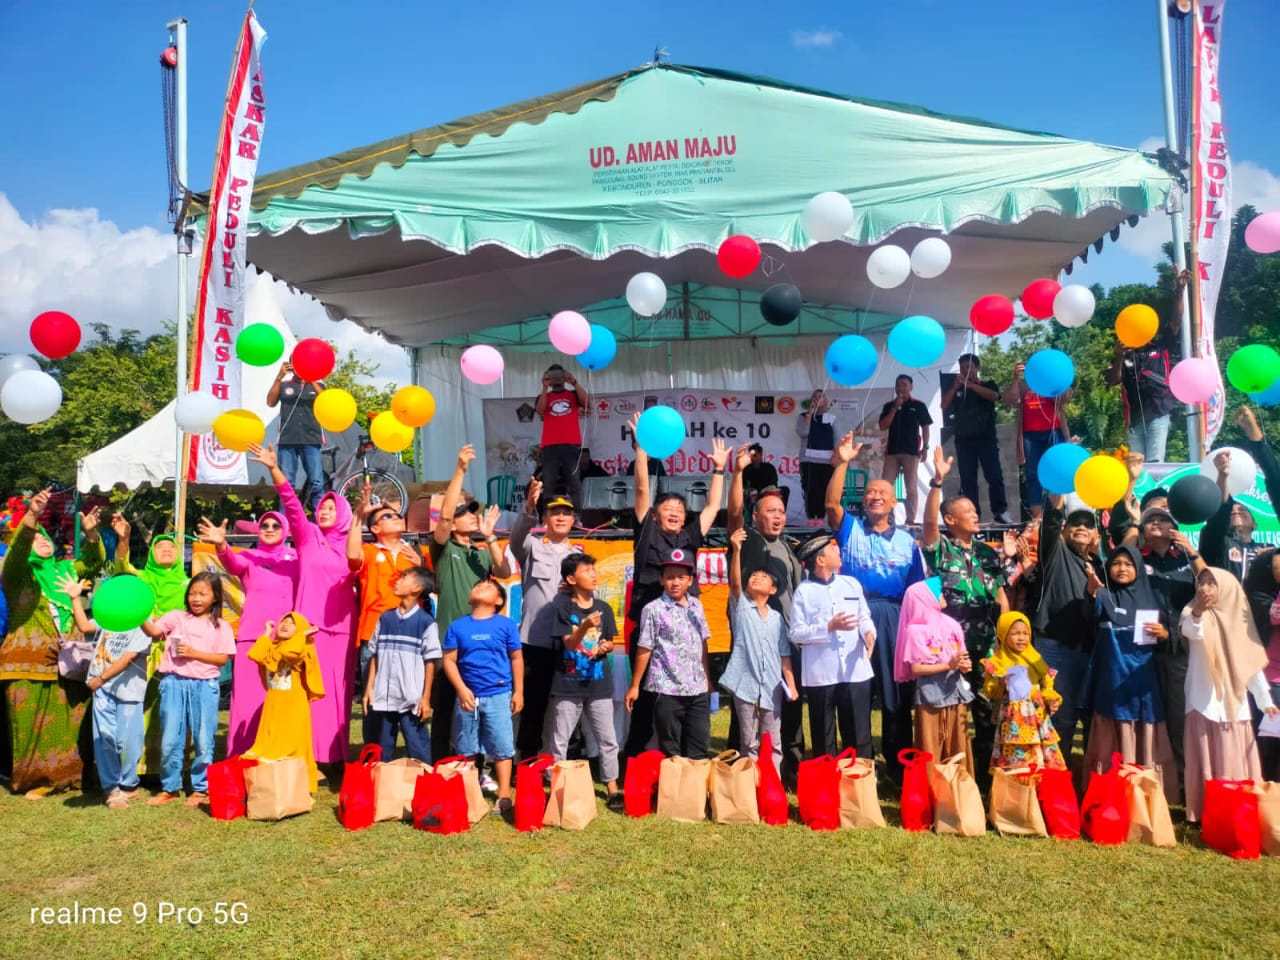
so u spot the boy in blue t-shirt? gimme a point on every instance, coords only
(403, 650)
(483, 662)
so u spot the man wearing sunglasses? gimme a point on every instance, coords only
(377, 567)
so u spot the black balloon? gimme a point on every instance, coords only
(1194, 499)
(781, 304)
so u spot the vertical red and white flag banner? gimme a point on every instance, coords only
(1210, 192)
(220, 293)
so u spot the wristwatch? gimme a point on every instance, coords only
(935, 484)
(491, 539)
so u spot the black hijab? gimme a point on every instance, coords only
(1120, 602)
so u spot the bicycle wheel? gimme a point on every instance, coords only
(387, 490)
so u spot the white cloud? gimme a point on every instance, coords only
(71, 260)
(1250, 184)
(822, 37)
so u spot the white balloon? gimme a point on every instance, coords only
(828, 216)
(30, 396)
(1243, 474)
(13, 363)
(930, 258)
(196, 411)
(1073, 306)
(646, 294)
(888, 266)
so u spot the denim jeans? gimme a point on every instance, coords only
(1072, 664)
(1150, 439)
(486, 729)
(291, 456)
(984, 451)
(1034, 445)
(117, 741)
(187, 706)
(382, 726)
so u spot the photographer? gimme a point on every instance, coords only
(300, 435)
(562, 402)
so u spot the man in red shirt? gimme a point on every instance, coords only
(1042, 423)
(561, 404)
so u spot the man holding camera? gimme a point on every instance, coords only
(561, 404)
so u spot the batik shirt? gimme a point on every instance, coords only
(677, 635)
(971, 582)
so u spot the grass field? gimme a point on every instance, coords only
(622, 888)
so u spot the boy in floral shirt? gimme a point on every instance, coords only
(672, 643)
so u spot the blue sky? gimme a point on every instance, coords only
(84, 130)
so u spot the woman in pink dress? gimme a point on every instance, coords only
(269, 575)
(327, 599)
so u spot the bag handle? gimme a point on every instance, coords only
(538, 762)
(727, 756)
(458, 759)
(911, 757)
(371, 754)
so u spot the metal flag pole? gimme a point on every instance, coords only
(178, 30)
(1176, 219)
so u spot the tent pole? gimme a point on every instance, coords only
(178, 28)
(419, 447)
(1175, 218)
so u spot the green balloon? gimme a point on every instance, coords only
(260, 345)
(1253, 368)
(122, 603)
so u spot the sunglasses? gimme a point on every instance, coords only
(385, 516)
(270, 525)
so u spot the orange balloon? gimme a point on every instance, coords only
(413, 406)
(1136, 325)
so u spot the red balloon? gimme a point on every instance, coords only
(1037, 299)
(313, 359)
(991, 315)
(738, 256)
(55, 334)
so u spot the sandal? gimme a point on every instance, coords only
(118, 801)
(38, 793)
(196, 799)
(615, 802)
(161, 798)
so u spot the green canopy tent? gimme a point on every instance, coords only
(477, 230)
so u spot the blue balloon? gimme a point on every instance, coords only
(1050, 372)
(850, 360)
(1058, 465)
(660, 432)
(917, 341)
(602, 349)
(1268, 397)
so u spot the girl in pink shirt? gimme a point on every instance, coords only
(197, 642)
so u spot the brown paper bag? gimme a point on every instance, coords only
(572, 802)
(477, 805)
(393, 784)
(1269, 816)
(733, 789)
(682, 789)
(1015, 809)
(859, 803)
(278, 789)
(1149, 820)
(957, 802)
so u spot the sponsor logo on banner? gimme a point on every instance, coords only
(623, 406)
(764, 405)
(650, 401)
(688, 403)
(524, 413)
(709, 404)
(786, 404)
(731, 403)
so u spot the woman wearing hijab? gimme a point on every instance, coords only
(45, 710)
(269, 574)
(326, 598)
(290, 674)
(1225, 664)
(164, 574)
(1019, 685)
(1128, 712)
(932, 653)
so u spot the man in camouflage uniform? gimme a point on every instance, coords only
(973, 581)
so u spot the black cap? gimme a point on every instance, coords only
(1151, 513)
(1082, 518)
(679, 558)
(1155, 493)
(813, 546)
(472, 507)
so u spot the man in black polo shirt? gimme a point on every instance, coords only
(969, 405)
(905, 421)
(300, 434)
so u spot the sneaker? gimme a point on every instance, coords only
(1004, 518)
(488, 784)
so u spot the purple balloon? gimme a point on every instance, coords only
(1262, 235)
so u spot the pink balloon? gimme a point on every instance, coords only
(570, 332)
(1193, 380)
(1262, 235)
(482, 364)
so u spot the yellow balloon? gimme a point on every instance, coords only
(236, 429)
(1101, 481)
(335, 409)
(389, 434)
(1136, 325)
(413, 406)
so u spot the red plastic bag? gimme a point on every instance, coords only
(640, 788)
(917, 799)
(440, 804)
(1058, 803)
(228, 797)
(818, 793)
(771, 798)
(356, 801)
(531, 792)
(1229, 822)
(1104, 813)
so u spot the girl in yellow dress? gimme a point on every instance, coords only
(290, 671)
(1019, 685)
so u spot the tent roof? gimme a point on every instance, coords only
(566, 196)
